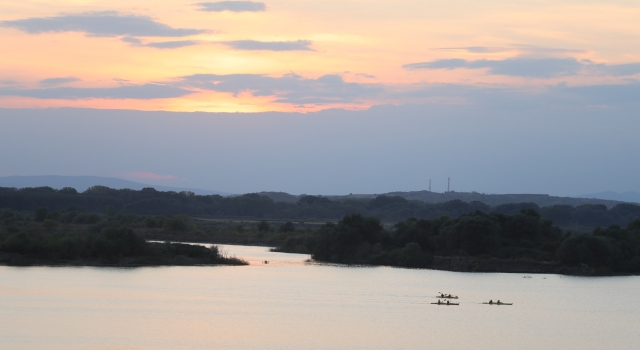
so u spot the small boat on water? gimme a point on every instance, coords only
(498, 303)
(445, 303)
(446, 296)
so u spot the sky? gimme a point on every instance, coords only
(325, 97)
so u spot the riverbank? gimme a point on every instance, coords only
(120, 247)
(12, 259)
(472, 264)
(219, 236)
(493, 265)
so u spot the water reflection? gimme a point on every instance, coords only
(293, 304)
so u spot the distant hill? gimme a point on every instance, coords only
(81, 183)
(389, 209)
(543, 200)
(280, 196)
(616, 196)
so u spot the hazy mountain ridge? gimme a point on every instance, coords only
(543, 200)
(81, 183)
(618, 196)
(281, 196)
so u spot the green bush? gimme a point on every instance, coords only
(587, 249)
(180, 222)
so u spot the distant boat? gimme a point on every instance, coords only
(500, 303)
(445, 303)
(446, 296)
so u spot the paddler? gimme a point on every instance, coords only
(438, 301)
(447, 302)
(491, 301)
(498, 302)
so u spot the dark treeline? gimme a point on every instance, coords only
(110, 247)
(525, 236)
(109, 227)
(98, 240)
(99, 199)
(180, 227)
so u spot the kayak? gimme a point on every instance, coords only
(446, 297)
(501, 303)
(445, 304)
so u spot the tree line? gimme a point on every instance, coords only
(112, 246)
(69, 237)
(148, 201)
(510, 232)
(357, 239)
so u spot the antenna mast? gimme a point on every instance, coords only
(449, 184)
(429, 185)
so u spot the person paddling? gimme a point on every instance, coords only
(498, 302)
(438, 301)
(491, 301)
(447, 302)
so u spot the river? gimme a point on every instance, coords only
(294, 304)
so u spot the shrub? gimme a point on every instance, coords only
(180, 222)
(49, 224)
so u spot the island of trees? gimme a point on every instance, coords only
(77, 237)
(475, 242)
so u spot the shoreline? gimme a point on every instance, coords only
(475, 265)
(18, 260)
(440, 263)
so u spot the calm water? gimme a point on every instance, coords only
(290, 304)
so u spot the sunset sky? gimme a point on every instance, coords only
(305, 55)
(570, 68)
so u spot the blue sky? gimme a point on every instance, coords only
(533, 147)
(329, 97)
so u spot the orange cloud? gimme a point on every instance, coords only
(275, 39)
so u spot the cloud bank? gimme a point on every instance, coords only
(330, 89)
(57, 81)
(291, 88)
(139, 92)
(105, 23)
(299, 45)
(520, 67)
(135, 42)
(531, 67)
(232, 6)
(524, 49)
